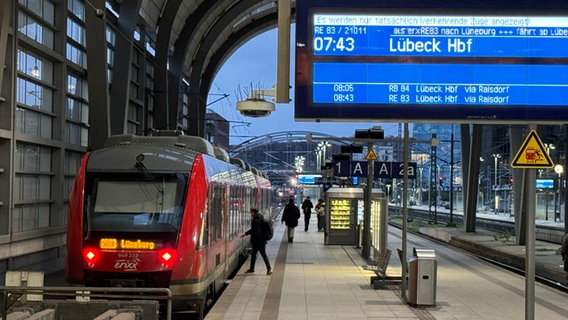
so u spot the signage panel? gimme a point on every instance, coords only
(360, 61)
(381, 169)
(308, 178)
(544, 183)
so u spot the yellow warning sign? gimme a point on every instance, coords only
(532, 154)
(371, 155)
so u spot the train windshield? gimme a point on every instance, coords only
(137, 204)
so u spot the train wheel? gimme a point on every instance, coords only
(200, 306)
(211, 295)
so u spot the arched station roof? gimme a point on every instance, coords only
(193, 39)
(275, 153)
(278, 137)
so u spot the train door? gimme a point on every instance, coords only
(215, 212)
(228, 230)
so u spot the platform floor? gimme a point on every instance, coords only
(316, 281)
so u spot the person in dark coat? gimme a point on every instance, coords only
(307, 207)
(290, 216)
(258, 236)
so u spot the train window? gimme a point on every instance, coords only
(127, 203)
(216, 211)
(234, 205)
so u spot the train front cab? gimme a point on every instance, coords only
(112, 243)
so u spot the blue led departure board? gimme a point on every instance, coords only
(460, 64)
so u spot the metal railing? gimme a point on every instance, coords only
(10, 294)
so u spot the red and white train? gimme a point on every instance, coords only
(161, 212)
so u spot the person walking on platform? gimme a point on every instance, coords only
(290, 216)
(259, 234)
(307, 207)
(564, 251)
(320, 211)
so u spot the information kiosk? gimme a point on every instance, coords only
(344, 212)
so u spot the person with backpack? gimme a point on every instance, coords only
(260, 233)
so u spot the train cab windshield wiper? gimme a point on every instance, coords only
(159, 187)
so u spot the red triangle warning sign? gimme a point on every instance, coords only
(532, 154)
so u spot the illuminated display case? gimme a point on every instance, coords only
(344, 212)
(378, 222)
(340, 213)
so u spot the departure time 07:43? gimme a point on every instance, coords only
(330, 44)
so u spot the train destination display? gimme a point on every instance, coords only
(433, 67)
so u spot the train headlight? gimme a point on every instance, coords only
(167, 257)
(91, 256)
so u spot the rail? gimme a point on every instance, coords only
(544, 232)
(10, 294)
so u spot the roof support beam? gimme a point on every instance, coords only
(162, 111)
(197, 105)
(6, 13)
(99, 118)
(229, 46)
(177, 61)
(120, 83)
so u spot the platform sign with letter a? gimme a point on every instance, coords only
(532, 154)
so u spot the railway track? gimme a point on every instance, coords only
(545, 277)
(548, 233)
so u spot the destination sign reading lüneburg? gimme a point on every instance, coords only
(433, 67)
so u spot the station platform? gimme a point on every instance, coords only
(312, 280)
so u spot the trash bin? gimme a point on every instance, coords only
(422, 277)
